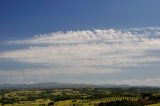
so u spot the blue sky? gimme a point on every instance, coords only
(85, 41)
(29, 17)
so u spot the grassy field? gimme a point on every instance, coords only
(158, 104)
(60, 103)
(71, 102)
(72, 97)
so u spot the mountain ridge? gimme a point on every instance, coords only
(52, 85)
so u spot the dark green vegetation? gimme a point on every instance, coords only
(129, 96)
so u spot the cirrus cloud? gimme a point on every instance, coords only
(88, 51)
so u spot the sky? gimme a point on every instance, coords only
(85, 41)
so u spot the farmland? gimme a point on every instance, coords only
(79, 96)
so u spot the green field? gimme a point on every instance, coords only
(71, 102)
(78, 96)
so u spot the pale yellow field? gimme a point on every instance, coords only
(158, 104)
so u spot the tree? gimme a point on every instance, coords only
(51, 103)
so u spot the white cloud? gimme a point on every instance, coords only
(90, 47)
(87, 51)
(58, 74)
(109, 35)
(147, 81)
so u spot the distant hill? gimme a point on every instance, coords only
(51, 85)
